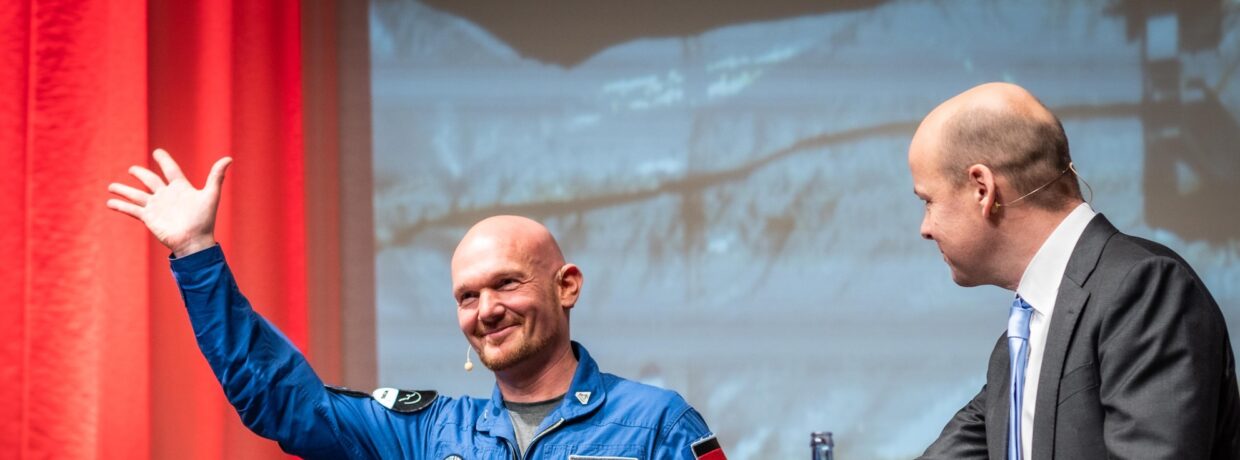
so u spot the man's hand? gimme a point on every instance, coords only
(179, 215)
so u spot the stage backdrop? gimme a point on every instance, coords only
(731, 177)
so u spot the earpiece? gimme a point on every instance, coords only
(1036, 190)
(1083, 181)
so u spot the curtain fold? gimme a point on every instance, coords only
(75, 347)
(97, 358)
(14, 84)
(226, 80)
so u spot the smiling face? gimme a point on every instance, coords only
(513, 292)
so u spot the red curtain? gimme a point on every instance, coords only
(97, 359)
(75, 284)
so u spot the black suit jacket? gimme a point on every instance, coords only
(1137, 364)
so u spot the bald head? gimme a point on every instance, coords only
(521, 236)
(1005, 128)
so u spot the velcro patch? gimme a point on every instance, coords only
(708, 448)
(347, 391)
(404, 401)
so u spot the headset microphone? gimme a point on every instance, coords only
(1070, 167)
(469, 365)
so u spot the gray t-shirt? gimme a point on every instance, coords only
(527, 416)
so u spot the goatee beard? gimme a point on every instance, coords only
(527, 349)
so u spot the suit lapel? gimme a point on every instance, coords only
(1068, 309)
(997, 413)
(1069, 305)
(997, 400)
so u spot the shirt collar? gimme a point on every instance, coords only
(1039, 285)
(585, 394)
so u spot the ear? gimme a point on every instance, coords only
(983, 188)
(568, 282)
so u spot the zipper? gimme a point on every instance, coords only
(516, 453)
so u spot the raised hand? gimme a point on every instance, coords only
(179, 215)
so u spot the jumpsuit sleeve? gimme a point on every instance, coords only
(683, 433)
(268, 381)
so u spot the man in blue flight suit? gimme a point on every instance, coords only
(513, 291)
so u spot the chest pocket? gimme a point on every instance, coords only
(1077, 381)
(450, 452)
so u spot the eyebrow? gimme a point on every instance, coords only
(506, 273)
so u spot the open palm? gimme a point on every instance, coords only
(180, 216)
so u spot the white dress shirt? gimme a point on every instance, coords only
(1039, 286)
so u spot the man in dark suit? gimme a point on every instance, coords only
(1114, 347)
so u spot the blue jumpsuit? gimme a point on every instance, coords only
(279, 397)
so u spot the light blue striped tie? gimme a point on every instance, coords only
(1018, 354)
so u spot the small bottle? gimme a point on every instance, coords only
(821, 445)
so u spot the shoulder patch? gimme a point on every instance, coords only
(708, 448)
(346, 391)
(404, 401)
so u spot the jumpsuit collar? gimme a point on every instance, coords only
(585, 395)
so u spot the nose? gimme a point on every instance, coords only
(490, 309)
(925, 229)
